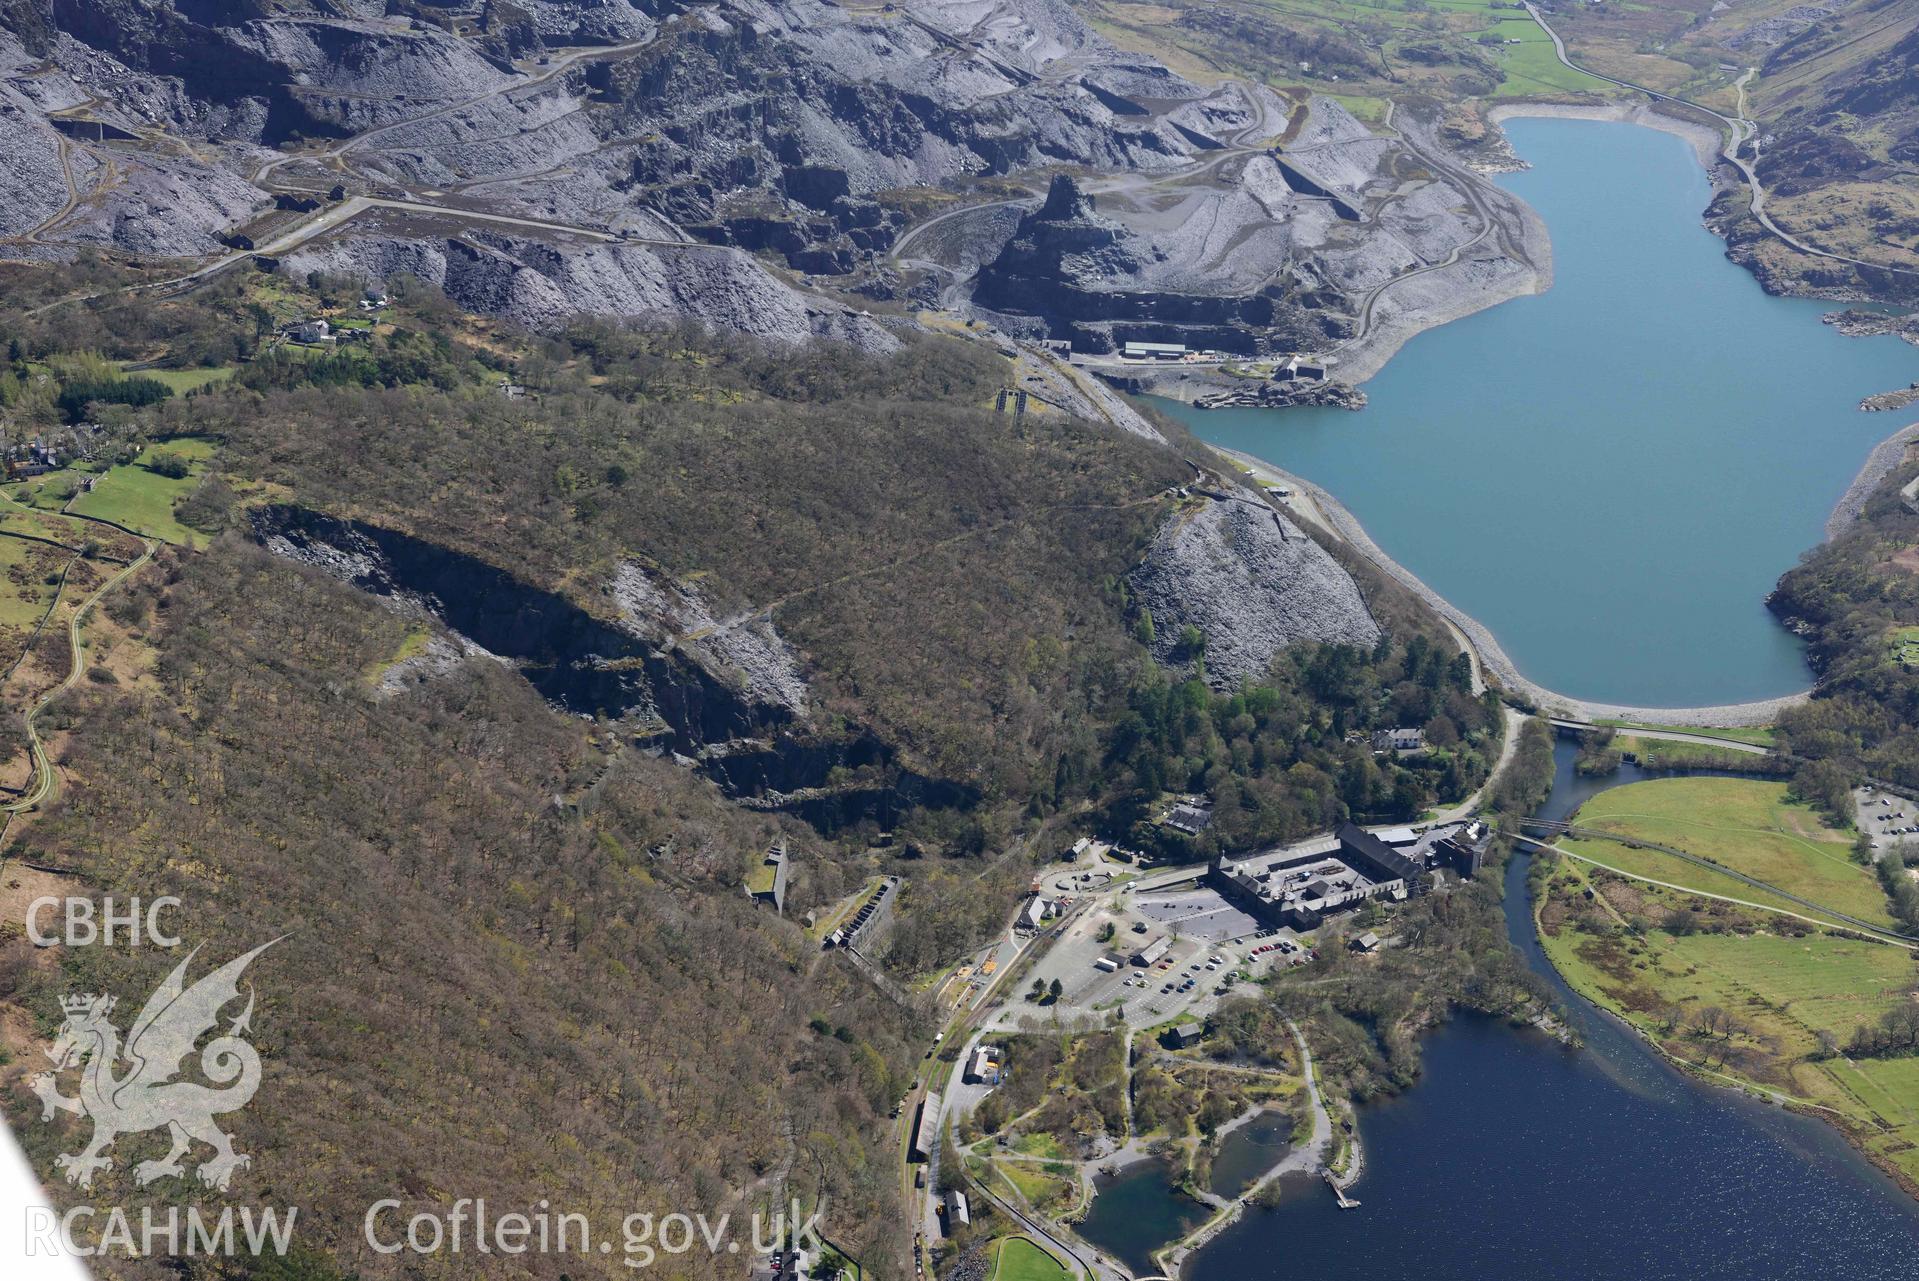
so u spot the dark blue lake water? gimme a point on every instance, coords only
(1136, 1211)
(1610, 475)
(1514, 1158)
(1250, 1151)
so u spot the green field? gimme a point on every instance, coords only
(185, 380)
(25, 589)
(48, 493)
(760, 879)
(1019, 1259)
(1653, 865)
(24, 518)
(1887, 1091)
(1819, 981)
(142, 499)
(1047, 1190)
(1743, 824)
(1366, 106)
(1667, 753)
(1398, 38)
(1531, 68)
(1793, 992)
(1759, 736)
(1039, 1145)
(1783, 991)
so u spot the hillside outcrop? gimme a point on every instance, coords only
(1837, 107)
(726, 696)
(543, 285)
(1271, 252)
(810, 138)
(1252, 584)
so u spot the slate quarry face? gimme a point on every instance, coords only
(749, 164)
(723, 695)
(1252, 584)
(1268, 249)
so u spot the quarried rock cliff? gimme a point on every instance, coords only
(1252, 584)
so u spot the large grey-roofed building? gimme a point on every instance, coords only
(1153, 350)
(1373, 855)
(1191, 816)
(927, 1131)
(872, 921)
(1301, 890)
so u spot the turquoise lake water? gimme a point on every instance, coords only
(1613, 474)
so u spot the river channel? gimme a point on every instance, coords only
(1514, 1157)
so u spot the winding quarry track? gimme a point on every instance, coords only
(43, 776)
(557, 67)
(352, 208)
(331, 219)
(1739, 130)
(1468, 184)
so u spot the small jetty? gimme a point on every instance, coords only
(1345, 1202)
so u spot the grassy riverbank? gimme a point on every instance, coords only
(1674, 754)
(1757, 735)
(1749, 826)
(1740, 994)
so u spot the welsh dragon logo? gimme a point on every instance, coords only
(131, 1089)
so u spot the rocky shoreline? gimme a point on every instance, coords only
(1889, 400)
(1854, 323)
(1879, 464)
(1278, 395)
(1704, 141)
